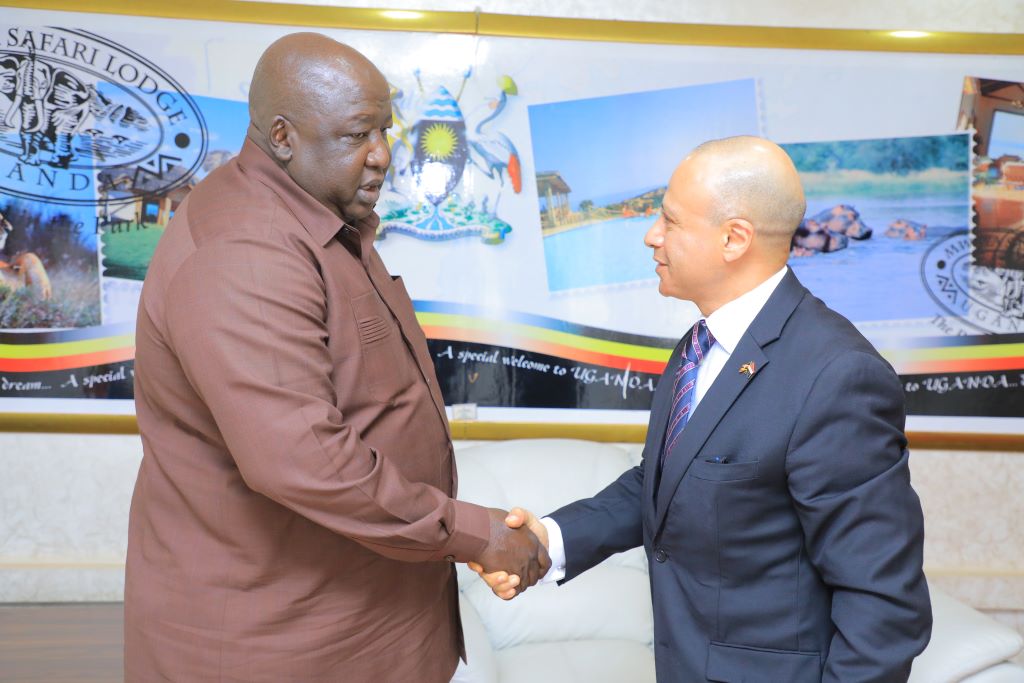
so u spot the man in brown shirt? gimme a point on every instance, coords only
(293, 518)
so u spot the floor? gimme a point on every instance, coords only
(70, 643)
(61, 643)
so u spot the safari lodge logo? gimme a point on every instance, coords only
(86, 121)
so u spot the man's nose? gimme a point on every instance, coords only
(380, 155)
(652, 238)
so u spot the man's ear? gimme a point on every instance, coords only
(737, 235)
(280, 137)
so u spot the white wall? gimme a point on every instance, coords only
(64, 515)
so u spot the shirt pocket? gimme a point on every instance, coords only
(402, 301)
(386, 360)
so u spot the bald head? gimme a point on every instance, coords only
(726, 221)
(754, 179)
(321, 111)
(301, 74)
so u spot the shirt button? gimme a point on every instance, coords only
(449, 558)
(660, 555)
(428, 381)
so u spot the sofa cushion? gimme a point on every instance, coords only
(608, 602)
(964, 642)
(580, 661)
(542, 475)
(1000, 673)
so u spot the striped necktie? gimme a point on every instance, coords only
(684, 388)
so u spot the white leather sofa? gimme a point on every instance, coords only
(598, 627)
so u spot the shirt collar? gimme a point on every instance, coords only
(319, 221)
(728, 323)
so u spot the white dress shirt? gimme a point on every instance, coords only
(727, 326)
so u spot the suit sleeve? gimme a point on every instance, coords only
(611, 522)
(596, 528)
(848, 475)
(246, 317)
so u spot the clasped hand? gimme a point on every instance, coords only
(509, 582)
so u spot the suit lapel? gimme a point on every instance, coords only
(727, 387)
(660, 406)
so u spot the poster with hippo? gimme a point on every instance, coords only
(874, 210)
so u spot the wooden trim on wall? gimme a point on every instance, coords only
(462, 430)
(63, 423)
(965, 441)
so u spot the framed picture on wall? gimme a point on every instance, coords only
(527, 265)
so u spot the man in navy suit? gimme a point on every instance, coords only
(774, 502)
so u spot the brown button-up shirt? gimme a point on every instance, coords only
(293, 518)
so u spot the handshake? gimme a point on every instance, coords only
(521, 551)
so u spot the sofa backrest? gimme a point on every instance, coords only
(611, 601)
(542, 475)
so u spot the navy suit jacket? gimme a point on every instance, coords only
(798, 558)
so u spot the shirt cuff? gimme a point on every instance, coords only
(471, 534)
(556, 551)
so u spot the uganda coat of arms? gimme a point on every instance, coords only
(428, 197)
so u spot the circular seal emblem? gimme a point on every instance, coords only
(85, 121)
(988, 299)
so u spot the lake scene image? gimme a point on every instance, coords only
(602, 166)
(874, 207)
(900, 196)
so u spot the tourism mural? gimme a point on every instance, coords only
(525, 173)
